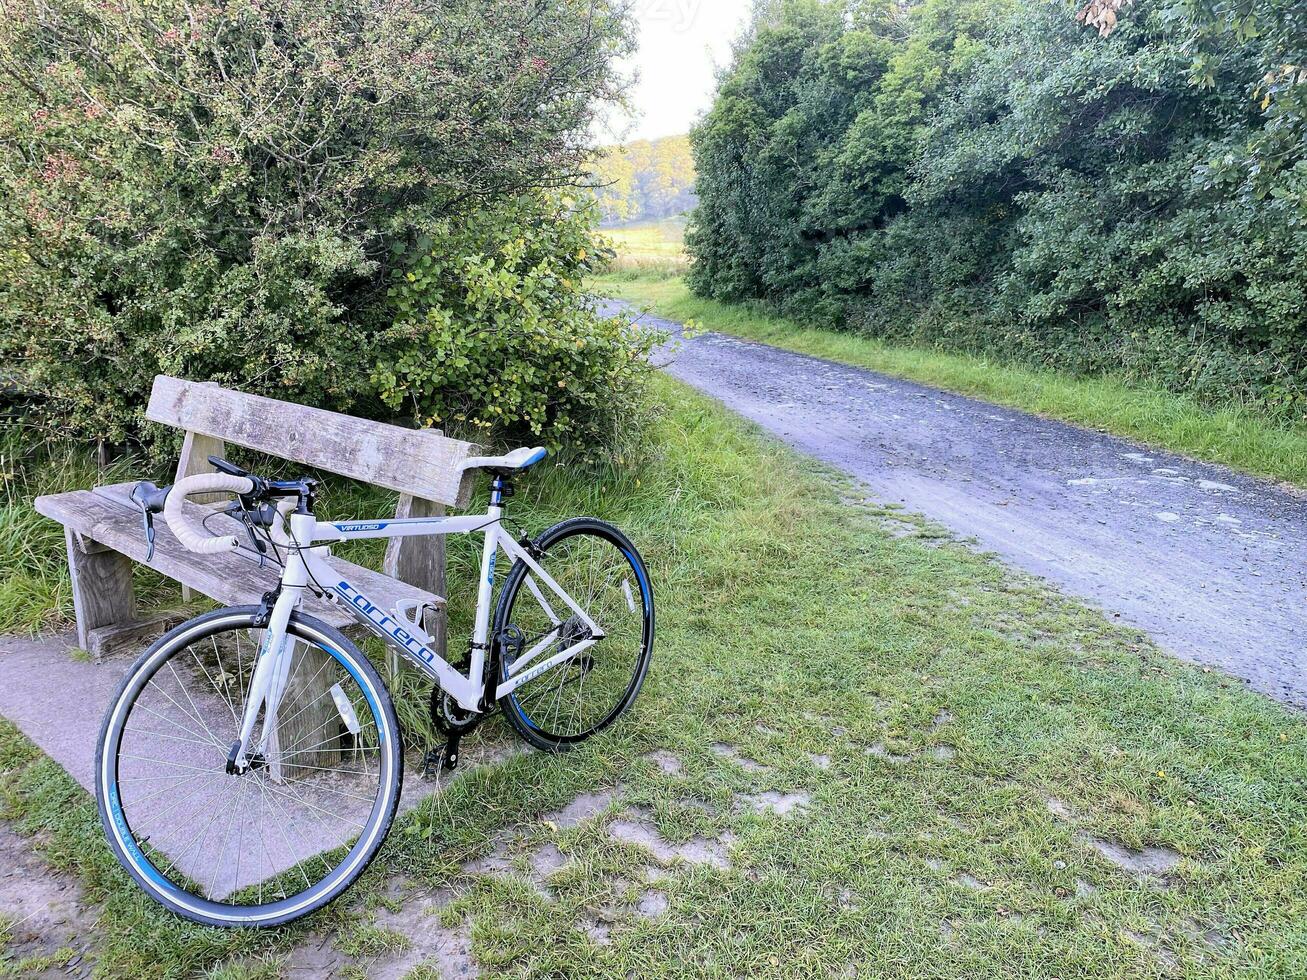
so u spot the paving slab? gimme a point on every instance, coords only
(58, 697)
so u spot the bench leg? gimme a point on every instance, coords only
(420, 562)
(102, 586)
(308, 733)
(104, 602)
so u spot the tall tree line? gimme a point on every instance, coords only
(1119, 186)
(645, 180)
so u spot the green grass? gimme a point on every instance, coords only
(650, 247)
(793, 625)
(1234, 436)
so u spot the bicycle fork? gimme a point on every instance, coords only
(267, 686)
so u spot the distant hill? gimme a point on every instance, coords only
(645, 180)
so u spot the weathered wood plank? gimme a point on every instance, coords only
(307, 736)
(105, 515)
(102, 587)
(194, 458)
(106, 641)
(420, 562)
(422, 463)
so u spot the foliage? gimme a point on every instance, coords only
(224, 191)
(998, 178)
(493, 327)
(645, 180)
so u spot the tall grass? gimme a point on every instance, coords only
(650, 248)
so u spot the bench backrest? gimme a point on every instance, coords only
(418, 463)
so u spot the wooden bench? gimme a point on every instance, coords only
(104, 535)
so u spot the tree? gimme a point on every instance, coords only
(645, 180)
(1101, 194)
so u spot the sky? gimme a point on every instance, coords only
(682, 42)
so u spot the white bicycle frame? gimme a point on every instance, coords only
(305, 565)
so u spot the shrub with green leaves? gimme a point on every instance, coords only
(493, 327)
(226, 191)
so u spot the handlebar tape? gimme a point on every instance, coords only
(192, 535)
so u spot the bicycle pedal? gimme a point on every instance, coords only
(443, 759)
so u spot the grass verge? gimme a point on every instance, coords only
(1235, 436)
(974, 765)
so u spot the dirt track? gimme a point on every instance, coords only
(1211, 563)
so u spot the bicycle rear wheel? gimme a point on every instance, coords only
(595, 564)
(293, 831)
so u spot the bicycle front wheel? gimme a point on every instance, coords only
(299, 824)
(594, 564)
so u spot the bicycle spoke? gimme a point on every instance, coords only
(282, 824)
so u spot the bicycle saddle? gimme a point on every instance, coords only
(518, 459)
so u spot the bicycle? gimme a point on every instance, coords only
(250, 766)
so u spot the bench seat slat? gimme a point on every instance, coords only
(107, 516)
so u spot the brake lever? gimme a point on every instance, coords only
(249, 518)
(148, 519)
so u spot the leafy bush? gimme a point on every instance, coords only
(494, 327)
(995, 176)
(225, 191)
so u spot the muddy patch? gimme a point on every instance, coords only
(447, 950)
(1059, 809)
(724, 750)
(773, 801)
(651, 905)
(48, 917)
(880, 751)
(582, 808)
(666, 761)
(1148, 862)
(637, 828)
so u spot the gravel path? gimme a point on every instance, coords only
(1211, 563)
